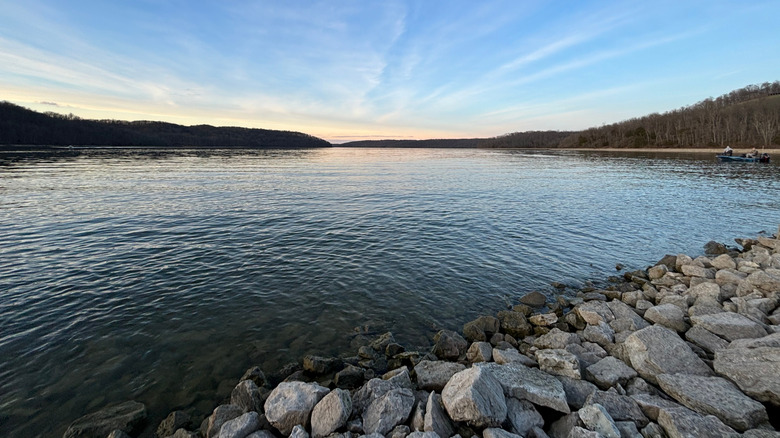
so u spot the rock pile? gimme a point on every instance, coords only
(687, 348)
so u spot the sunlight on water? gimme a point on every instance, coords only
(161, 276)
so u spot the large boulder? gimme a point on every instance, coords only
(683, 423)
(729, 325)
(716, 396)
(433, 375)
(331, 413)
(668, 315)
(765, 281)
(657, 350)
(449, 345)
(475, 396)
(530, 384)
(480, 352)
(754, 370)
(388, 411)
(291, 403)
(594, 312)
(125, 416)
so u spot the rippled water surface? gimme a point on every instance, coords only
(161, 276)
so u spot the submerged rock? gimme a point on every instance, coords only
(125, 416)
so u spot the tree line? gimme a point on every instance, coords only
(21, 126)
(749, 116)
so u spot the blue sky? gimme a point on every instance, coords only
(362, 69)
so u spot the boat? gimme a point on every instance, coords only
(764, 158)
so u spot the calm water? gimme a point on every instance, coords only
(162, 276)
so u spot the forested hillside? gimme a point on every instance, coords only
(749, 116)
(20, 126)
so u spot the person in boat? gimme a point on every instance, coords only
(728, 151)
(753, 153)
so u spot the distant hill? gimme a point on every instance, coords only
(21, 126)
(436, 143)
(746, 117)
(530, 139)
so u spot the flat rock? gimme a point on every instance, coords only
(609, 372)
(668, 315)
(291, 403)
(593, 312)
(433, 375)
(600, 333)
(697, 271)
(729, 325)
(544, 319)
(705, 339)
(684, 423)
(716, 396)
(511, 355)
(658, 350)
(707, 289)
(651, 405)
(622, 310)
(475, 396)
(530, 384)
(331, 413)
(124, 416)
(754, 370)
(724, 261)
(764, 281)
(620, 407)
(556, 338)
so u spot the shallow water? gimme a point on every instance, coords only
(161, 276)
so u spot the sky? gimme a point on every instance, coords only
(349, 70)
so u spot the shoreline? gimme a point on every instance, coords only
(687, 345)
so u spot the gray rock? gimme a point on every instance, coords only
(593, 312)
(240, 427)
(436, 419)
(125, 416)
(684, 423)
(494, 432)
(577, 391)
(730, 326)
(715, 396)
(481, 329)
(707, 289)
(658, 350)
(261, 434)
(764, 281)
(299, 432)
(562, 427)
(530, 384)
(600, 333)
(656, 272)
(627, 429)
(321, 365)
(620, 407)
(534, 299)
(418, 434)
(221, 414)
(761, 433)
(350, 377)
(668, 315)
(118, 434)
(754, 370)
(433, 375)
(556, 338)
(374, 389)
(388, 411)
(256, 375)
(724, 261)
(514, 323)
(512, 355)
(697, 271)
(559, 362)
(729, 276)
(651, 405)
(623, 311)
(398, 432)
(596, 418)
(544, 319)
(291, 403)
(475, 396)
(246, 395)
(449, 345)
(705, 339)
(173, 422)
(522, 416)
(331, 413)
(480, 352)
(609, 372)
(581, 432)
(417, 421)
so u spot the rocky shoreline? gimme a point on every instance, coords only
(689, 347)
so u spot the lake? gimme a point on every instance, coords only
(160, 276)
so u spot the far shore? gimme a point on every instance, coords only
(737, 151)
